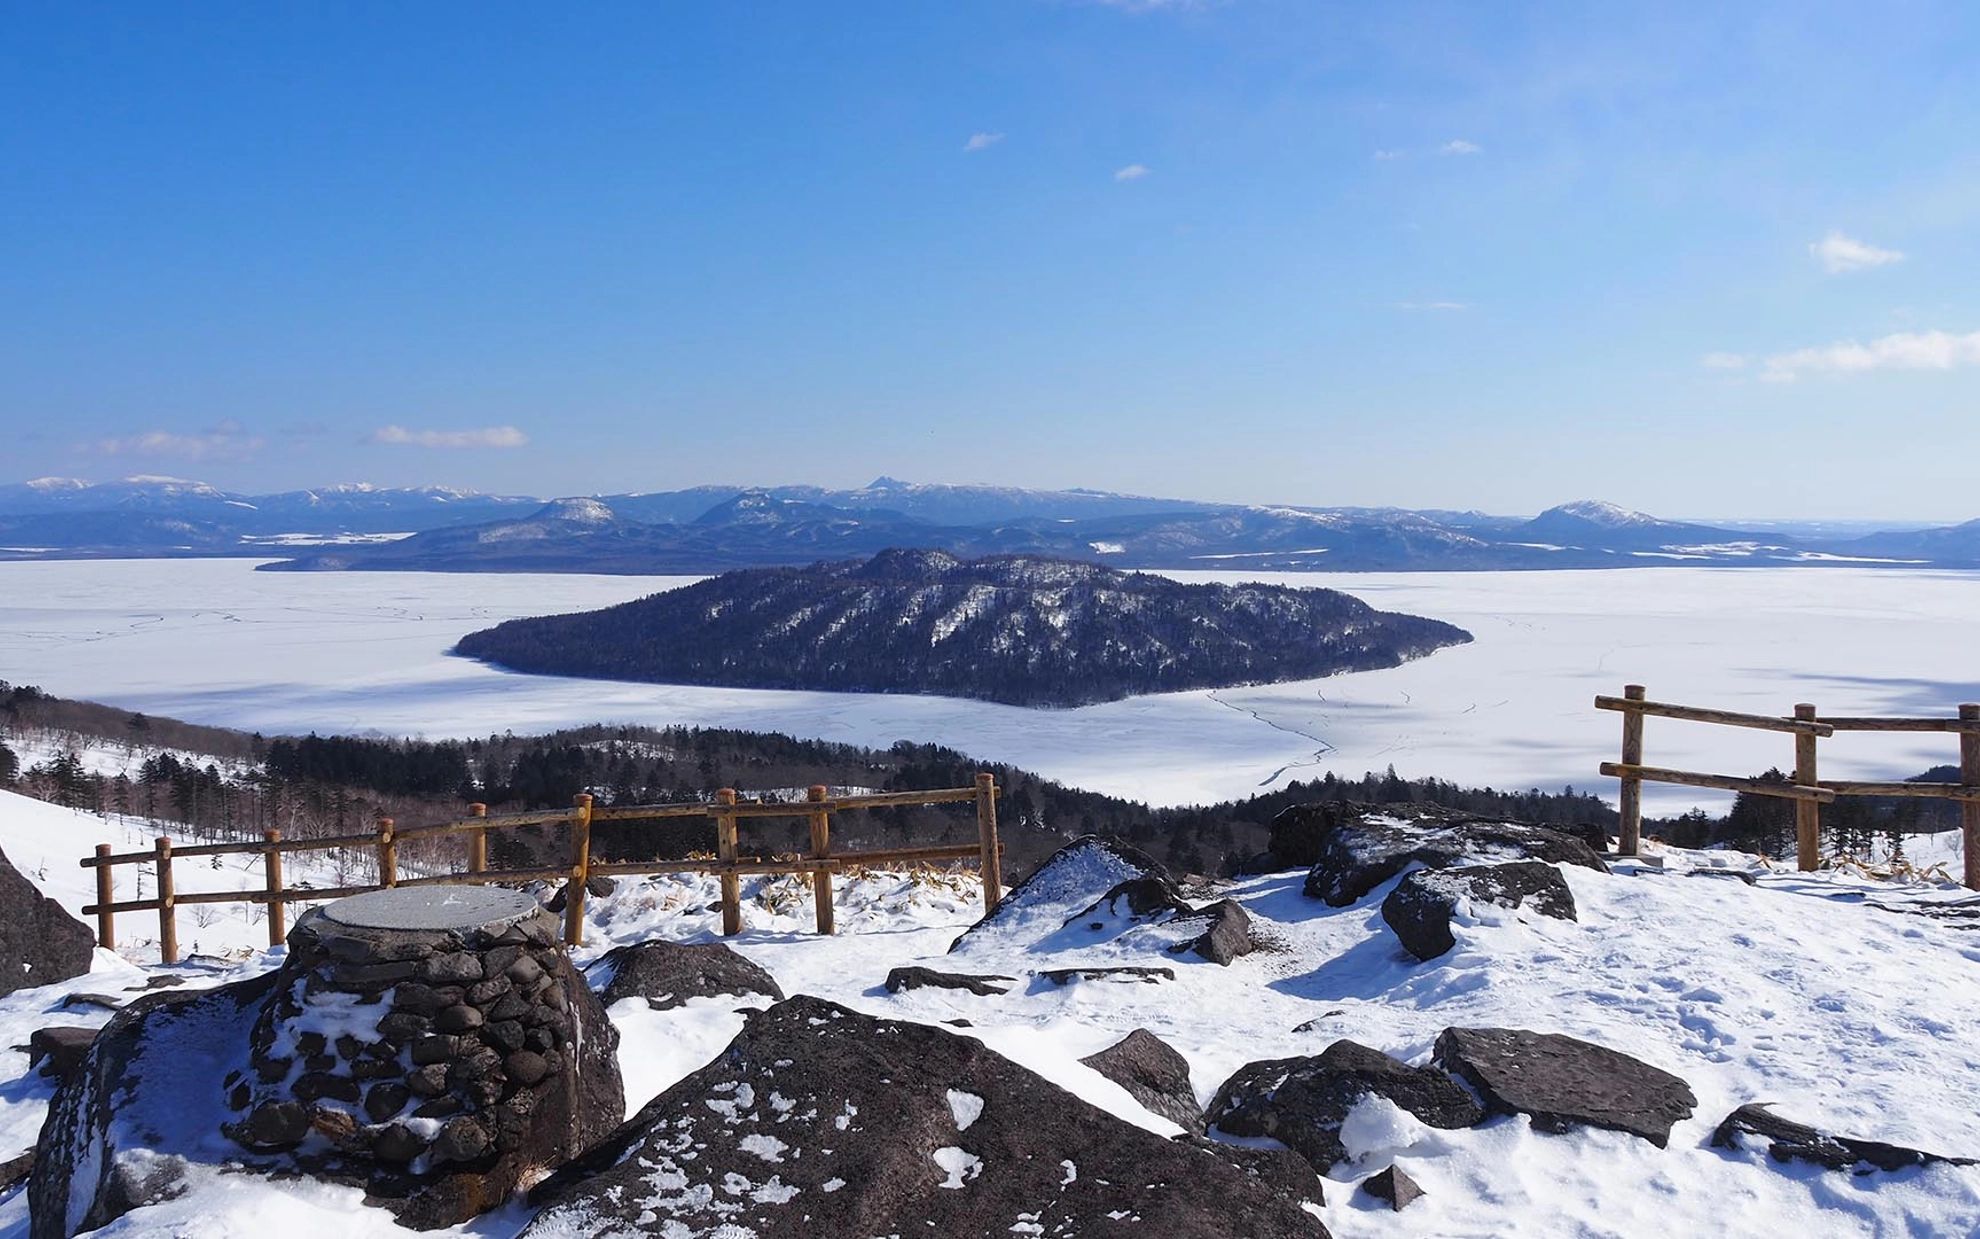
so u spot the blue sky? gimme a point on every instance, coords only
(1712, 260)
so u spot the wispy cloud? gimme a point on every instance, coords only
(981, 142)
(487, 436)
(1839, 253)
(1903, 350)
(1459, 146)
(1385, 155)
(1432, 305)
(1133, 172)
(228, 440)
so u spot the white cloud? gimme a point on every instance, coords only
(1432, 305)
(487, 436)
(1133, 172)
(228, 440)
(1838, 253)
(1459, 146)
(1904, 350)
(1723, 361)
(1384, 156)
(981, 142)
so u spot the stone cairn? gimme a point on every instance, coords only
(435, 1044)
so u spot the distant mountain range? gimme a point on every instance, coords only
(1012, 628)
(707, 529)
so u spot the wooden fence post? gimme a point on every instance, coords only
(106, 920)
(478, 840)
(1969, 811)
(1630, 804)
(991, 861)
(168, 914)
(1807, 813)
(271, 868)
(388, 854)
(726, 850)
(580, 869)
(821, 847)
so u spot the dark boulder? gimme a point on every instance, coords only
(58, 1051)
(1787, 1140)
(1226, 935)
(40, 943)
(1302, 1102)
(1565, 1083)
(1354, 848)
(817, 1120)
(982, 985)
(15, 1171)
(1153, 1074)
(1135, 974)
(1394, 1187)
(667, 974)
(597, 887)
(1422, 905)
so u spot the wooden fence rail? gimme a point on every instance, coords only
(1807, 789)
(819, 862)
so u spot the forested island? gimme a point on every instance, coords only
(1023, 630)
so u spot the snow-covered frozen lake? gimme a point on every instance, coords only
(215, 642)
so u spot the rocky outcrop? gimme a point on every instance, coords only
(1787, 1140)
(438, 1069)
(667, 974)
(59, 1050)
(1421, 907)
(40, 943)
(817, 1120)
(1152, 1073)
(1068, 889)
(1565, 1083)
(1302, 1102)
(983, 985)
(1353, 848)
(1226, 935)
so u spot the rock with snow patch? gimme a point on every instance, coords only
(1132, 974)
(1356, 847)
(983, 985)
(1393, 1187)
(40, 943)
(597, 886)
(817, 1120)
(1787, 1140)
(667, 974)
(1565, 1083)
(1070, 884)
(1422, 905)
(1303, 1102)
(1153, 1074)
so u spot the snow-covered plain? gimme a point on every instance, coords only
(213, 641)
(1796, 990)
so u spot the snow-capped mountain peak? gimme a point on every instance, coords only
(1603, 513)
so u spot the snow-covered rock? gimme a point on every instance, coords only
(1424, 904)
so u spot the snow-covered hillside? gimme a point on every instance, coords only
(1825, 994)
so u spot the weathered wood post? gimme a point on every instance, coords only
(478, 840)
(821, 847)
(106, 920)
(1807, 813)
(580, 869)
(271, 869)
(726, 851)
(1630, 803)
(1969, 810)
(991, 861)
(168, 908)
(388, 854)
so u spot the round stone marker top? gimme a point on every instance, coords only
(433, 908)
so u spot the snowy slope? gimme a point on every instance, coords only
(1794, 990)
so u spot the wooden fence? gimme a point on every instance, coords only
(820, 861)
(1807, 789)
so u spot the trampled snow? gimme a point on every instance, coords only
(1798, 990)
(211, 641)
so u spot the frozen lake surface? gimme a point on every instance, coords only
(212, 641)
